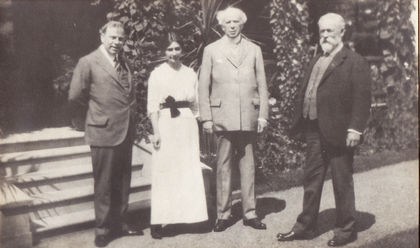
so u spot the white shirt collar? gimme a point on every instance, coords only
(107, 55)
(336, 50)
(227, 41)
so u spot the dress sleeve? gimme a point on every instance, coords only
(152, 94)
(194, 105)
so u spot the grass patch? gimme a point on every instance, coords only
(293, 178)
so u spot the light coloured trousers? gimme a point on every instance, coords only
(229, 145)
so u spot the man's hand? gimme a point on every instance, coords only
(262, 124)
(208, 126)
(353, 139)
(156, 141)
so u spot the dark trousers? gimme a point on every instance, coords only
(112, 177)
(319, 156)
(239, 144)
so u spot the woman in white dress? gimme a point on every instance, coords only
(178, 194)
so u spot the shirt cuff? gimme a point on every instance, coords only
(262, 119)
(354, 131)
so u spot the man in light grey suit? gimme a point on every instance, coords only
(233, 103)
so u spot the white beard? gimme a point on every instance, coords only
(327, 47)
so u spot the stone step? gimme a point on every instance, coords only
(58, 174)
(67, 197)
(139, 199)
(42, 154)
(81, 217)
(42, 139)
(76, 213)
(15, 164)
(67, 183)
(19, 163)
(68, 215)
(53, 167)
(79, 198)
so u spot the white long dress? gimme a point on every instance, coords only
(178, 194)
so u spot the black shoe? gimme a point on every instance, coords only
(221, 225)
(129, 232)
(334, 242)
(290, 236)
(102, 240)
(156, 231)
(255, 223)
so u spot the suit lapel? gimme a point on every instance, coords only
(337, 60)
(242, 51)
(236, 62)
(226, 52)
(103, 62)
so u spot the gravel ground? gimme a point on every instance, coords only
(387, 202)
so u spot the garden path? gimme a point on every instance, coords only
(387, 202)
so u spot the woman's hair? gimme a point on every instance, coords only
(171, 37)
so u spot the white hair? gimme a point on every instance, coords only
(222, 14)
(111, 24)
(338, 20)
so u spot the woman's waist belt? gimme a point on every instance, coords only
(177, 104)
(174, 105)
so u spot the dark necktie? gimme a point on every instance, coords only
(117, 64)
(120, 69)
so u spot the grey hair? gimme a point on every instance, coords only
(111, 24)
(338, 19)
(221, 15)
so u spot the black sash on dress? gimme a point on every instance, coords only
(174, 105)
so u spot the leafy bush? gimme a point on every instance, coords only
(289, 22)
(395, 126)
(146, 25)
(392, 128)
(148, 22)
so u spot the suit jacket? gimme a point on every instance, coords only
(233, 93)
(96, 88)
(343, 97)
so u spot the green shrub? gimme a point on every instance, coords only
(395, 126)
(148, 22)
(289, 22)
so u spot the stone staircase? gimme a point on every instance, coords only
(53, 167)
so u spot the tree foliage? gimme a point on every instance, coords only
(148, 23)
(395, 126)
(289, 21)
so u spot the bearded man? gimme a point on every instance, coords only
(332, 109)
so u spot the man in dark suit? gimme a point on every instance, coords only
(102, 86)
(331, 111)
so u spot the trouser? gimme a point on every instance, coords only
(239, 144)
(319, 156)
(112, 177)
